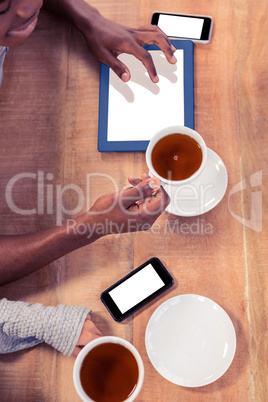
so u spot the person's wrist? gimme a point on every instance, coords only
(84, 16)
(83, 230)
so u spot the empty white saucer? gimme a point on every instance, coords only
(203, 193)
(190, 340)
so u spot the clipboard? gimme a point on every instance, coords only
(131, 113)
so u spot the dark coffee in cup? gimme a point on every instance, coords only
(109, 373)
(176, 156)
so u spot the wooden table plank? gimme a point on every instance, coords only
(252, 80)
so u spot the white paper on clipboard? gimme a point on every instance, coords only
(139, 108)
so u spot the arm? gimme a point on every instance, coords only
(112, 213)
(23, 325)
(107, 39)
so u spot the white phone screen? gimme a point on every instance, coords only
(137, 288)
(181, 27)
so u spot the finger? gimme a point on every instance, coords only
(88, 337)
(126, 187)
(156, 30)
(117, 66)
(148, 63)
(151, 208)
(135, 48)
(157, 37)
(140, 191)
(135, 180)
(145, 176)
(99, 333)
(156, 204)
(89, 330)
(76, 351)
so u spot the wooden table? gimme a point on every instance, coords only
(48, 123)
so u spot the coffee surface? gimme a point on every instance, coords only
(176, 157)
(109, 373)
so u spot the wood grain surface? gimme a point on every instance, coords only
(48, 127)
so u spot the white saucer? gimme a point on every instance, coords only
(204, 193)
(190, 340)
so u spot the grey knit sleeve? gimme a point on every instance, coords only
(23, 325)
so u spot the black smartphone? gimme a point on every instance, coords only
(136, 289)
(197, 28)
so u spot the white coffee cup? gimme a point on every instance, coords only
(89, 347)
(173, 130)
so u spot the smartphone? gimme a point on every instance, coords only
(136, 289)
(197, 28)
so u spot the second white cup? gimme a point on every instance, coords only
(108, 368)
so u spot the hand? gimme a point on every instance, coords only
(107, 40)
(132, 209)
(89, 333)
